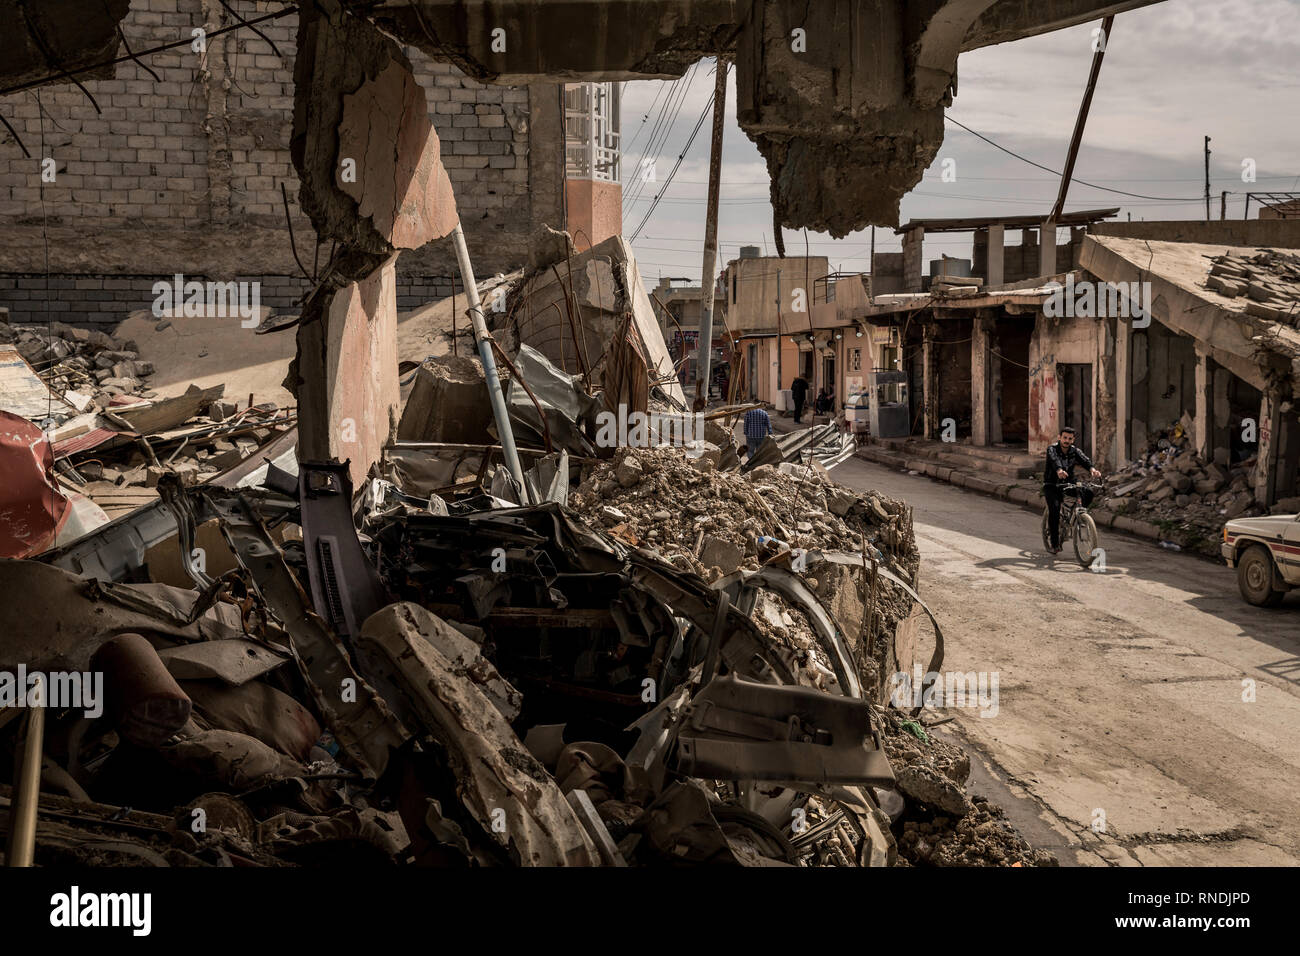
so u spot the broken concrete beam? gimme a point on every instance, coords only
(446, 403)
(720, 553)
(1225, 286)
(219, 411)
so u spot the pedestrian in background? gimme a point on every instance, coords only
(799, 392)
(757, 427)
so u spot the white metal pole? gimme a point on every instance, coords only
(484, 341)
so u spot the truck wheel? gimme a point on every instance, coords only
(1255, 577)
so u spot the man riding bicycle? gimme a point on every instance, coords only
(1062, 458)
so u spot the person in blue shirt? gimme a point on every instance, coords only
(757, 427)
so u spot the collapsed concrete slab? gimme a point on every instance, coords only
(446, 402)
(572, 306)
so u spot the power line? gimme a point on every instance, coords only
(645, 116)
(664, 125)
(1057, 172)
(708, 107)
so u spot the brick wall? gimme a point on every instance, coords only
(31, 298)
(183, 173)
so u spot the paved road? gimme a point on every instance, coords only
(1120, 692)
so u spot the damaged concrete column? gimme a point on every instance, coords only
(930, 381)
(981, 410)
(997, 255)
(1123, 340)
(1106, 424)
(372, 181)
(1204, 408)
(1270, 419)
(912, 265)
(1220, 413)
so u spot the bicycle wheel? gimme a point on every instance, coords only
(1085, 538)
(1047, 544)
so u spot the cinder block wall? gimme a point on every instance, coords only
(183, 174)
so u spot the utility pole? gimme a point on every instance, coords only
(779, 345)
(871, 269)
(1080, 121)
(711, 236)
(1047, 236)
(1207, 178)
(1223, 205)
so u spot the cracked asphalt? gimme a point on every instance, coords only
(1147, 716)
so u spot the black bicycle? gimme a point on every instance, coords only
(1076, 523)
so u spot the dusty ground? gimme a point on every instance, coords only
(1119, 692)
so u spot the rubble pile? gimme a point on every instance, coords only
(714, 522)
(942, 824)
(1190, 499)
(90, 363)
(1270, 280)
(111, 436)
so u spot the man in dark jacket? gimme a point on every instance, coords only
(1062, 458)
(799, 392)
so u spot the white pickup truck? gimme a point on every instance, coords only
(1266, 553)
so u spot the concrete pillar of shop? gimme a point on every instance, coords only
(1123, 389)
(1204, 408)
(1266, 464)
(980, 380)
(997, 255)
(913, 267)
(1104, 418)
(929, 370)
(1221, 413)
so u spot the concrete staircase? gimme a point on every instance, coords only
(931, 457)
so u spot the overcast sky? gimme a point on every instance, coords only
(1174, 72)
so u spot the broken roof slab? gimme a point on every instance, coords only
(844, 98)
(1253, 348)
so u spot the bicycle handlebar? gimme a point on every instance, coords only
(1076, 485)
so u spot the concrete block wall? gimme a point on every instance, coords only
(107, 298)
(206, 148)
